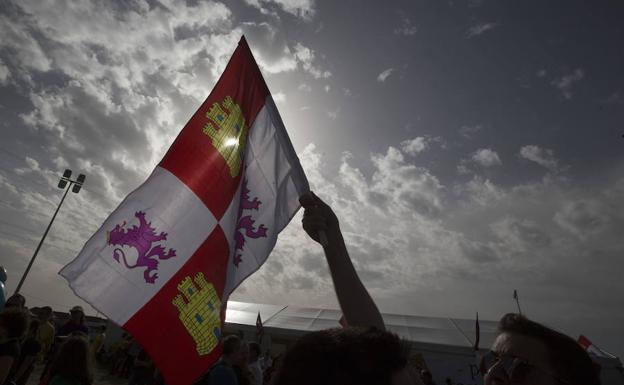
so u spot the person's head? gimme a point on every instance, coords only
(13, 323)
(533, 354)
(77, 315)
(254, 352)
(345, 356)
(3, 274)
(16, 300)
(231, 347)
(73, 361)
(45, 314)
(426, 377)
(241, 358)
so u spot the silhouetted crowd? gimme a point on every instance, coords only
(364, 353)
(27, 339)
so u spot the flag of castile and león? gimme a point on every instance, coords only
(164, 263)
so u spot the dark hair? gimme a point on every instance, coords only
(73, 362)
(46, 310)
(15, 321)
(343, 356)
(231, 344)
(15, 300)
(255, 347)
(568, 359)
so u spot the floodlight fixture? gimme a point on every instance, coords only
(65, 179)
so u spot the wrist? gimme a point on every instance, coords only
(334, 238)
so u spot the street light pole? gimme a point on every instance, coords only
(65, 180)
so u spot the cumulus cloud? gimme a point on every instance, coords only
(407, 233)
(414, 146)
(406, 28)
(306, 57)
(584, 218)
(567, 82)
(470, 131)
(480, 191)
(543, 157)
(384, 75)
(304, 9)
(480, 29)
(486, 157)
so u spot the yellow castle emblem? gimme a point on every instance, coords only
(199, 309)
(229, 132)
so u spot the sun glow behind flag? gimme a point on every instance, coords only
(164, 263)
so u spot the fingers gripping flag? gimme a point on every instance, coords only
(164, 263)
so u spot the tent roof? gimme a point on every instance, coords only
(419, 329)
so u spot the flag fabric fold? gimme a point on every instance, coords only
(164, 263)
(592, 349)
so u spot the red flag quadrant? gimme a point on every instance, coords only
(164, 263)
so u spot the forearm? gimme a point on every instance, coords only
(356, 303)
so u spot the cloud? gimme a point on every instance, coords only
(479, 29)
(333, 115)
(408, 234)
(305, 56)
(520, 235)
(384, 75)
(567, 82)
(5, 73)
(420, 143)
(470, 131)
(279, 97)
(540, 73)
(480, 191)
(406, 28)
(414, 146)
(327, 87)
(304, 87)
(541, 156)
(107, 99)
(615, 99)
(486, 157)
(303, 9)
(584, 218)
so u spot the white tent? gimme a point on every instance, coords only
(444, 344)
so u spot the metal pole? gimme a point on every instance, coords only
(21, 282)
(518, 303)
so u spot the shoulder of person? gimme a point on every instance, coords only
(221, 373)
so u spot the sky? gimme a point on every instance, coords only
(469, 148)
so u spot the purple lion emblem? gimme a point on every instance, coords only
(246, 224)
(142, 238)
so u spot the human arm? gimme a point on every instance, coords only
(357, 305)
